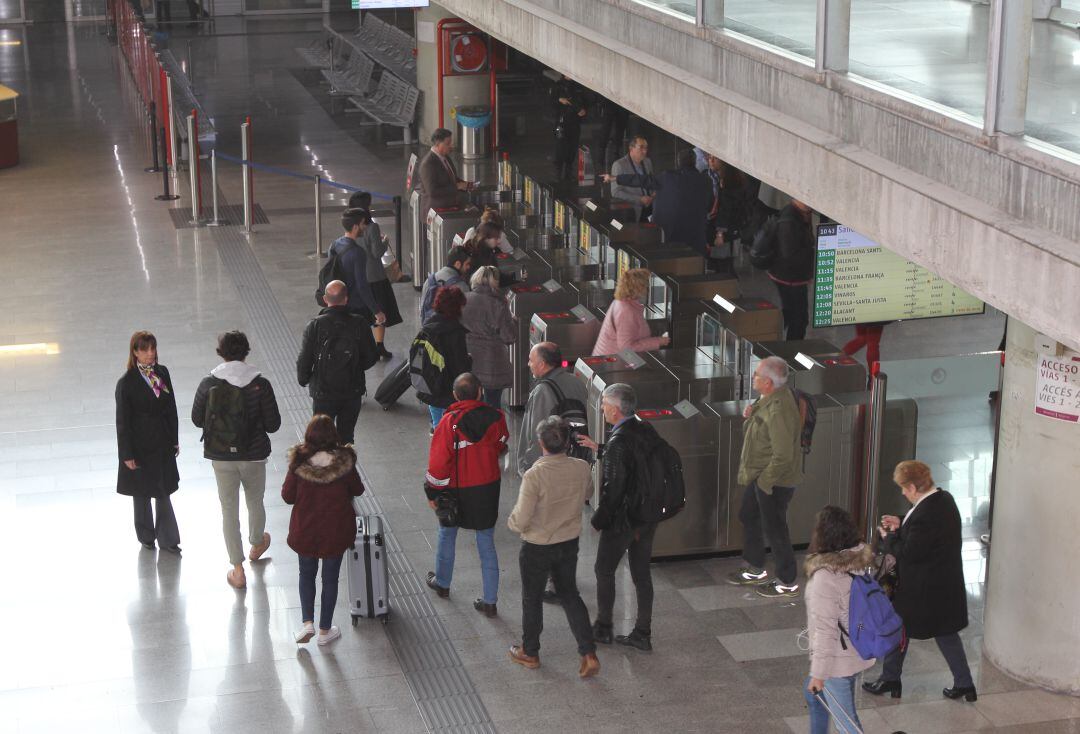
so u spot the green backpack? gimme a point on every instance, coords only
(225, 428)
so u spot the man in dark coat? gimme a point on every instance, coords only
(930, 594)
(440, 185)
(337, 349)
(683, 199)
(568, 109)
(236, 408)
(148, 443)
(463, 467)
(793, 268)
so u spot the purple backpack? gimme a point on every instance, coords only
(874, 627)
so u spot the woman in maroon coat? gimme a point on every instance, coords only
(320, 485)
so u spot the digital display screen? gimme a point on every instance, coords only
(382, 4)
(858, 281)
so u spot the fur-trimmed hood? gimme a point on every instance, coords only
(325, 466)
(850, 560)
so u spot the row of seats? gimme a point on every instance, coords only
(390, 46)
(352, 77)
(392, 103)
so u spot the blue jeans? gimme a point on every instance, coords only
(489, 562)
(331, 569)
(839, 694)
(436, 414)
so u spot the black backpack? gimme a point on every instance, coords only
(808, 414)
(763, 251)
(342, 357)
(661, 490)
(427, 367)
(225, 427)
(574, 413)
(427, 299)
(333, 269)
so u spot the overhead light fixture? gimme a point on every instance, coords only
(26, 349)
(19, 43)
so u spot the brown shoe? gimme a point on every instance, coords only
(488, 610)
(443, 593)
(258, 550)
(532, 663)
(590, 665)
(236, 578)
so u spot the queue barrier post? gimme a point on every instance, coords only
(245, 152)
(165, 194)
(193, 167)
(318, 218)
(155, 162)
(216, 221)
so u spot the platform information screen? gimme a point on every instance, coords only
(380, 4)
(858, 281)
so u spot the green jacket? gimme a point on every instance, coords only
(771, 452)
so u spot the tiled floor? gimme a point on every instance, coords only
(103, 636)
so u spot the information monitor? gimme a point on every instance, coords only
(858, 281)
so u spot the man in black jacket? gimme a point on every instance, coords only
(337, 349)
(619, 534)
(236, 408)
(793, 268)
(682, 203)
(568, 109)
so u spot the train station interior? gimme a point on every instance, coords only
(941, 137)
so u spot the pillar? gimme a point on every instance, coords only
(458, 91)
(1033, 594)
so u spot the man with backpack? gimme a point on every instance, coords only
(452, 275)
(235, 408)
(770, 467)
(556, 392)
(622, 532)
(337, 349)
(348, 263)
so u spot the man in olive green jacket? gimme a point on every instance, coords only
(769, 468)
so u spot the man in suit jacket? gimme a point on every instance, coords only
(439, 182)
(632, 178)
(682, 204)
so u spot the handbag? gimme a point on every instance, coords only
(446, 509)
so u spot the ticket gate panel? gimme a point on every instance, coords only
(695, 435)
(418, 240)
(566, 265)
(514, 268)
(575, 331)
(755, 319)
(519, 215)
(818, 367)
(536, 238)
(668, 259)
(443, 226)
(525, 300)
(595, 294)
(684, 296)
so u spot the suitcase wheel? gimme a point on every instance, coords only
(355, 620)
(386, 407)
(386, 618)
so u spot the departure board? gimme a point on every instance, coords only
(858, 281)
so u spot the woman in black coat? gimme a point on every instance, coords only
(930, 595)
(148, 443)
(443, 328)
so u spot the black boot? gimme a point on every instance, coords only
(967, 693)
(602, 633)
(636, 639)
(381, 351)
(878, 687)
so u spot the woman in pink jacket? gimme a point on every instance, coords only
(624, 325)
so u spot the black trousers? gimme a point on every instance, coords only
(637, 544)
(565, 154)
(796, 308)
(161, 528)
(345, 413)
(951, 648)
(610, 136)
(559, 561)
(764, 518)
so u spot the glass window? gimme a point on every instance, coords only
(1053, 104)
(256, 6)
(789, 24)
(687, 8)
(934, 49)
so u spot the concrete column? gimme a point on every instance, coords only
(833, 34)
(458, 91)
(1008, 59)
(1033, 592)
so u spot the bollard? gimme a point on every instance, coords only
(318, 218)
(193, 167)
(397, 227)
(244, 153)
(156, 162)
(174, 147)
(215, 222)
(165, 195)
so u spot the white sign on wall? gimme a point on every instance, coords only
(1057, 387)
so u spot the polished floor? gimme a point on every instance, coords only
(934, 49)
(104, 636)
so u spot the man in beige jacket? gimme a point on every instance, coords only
(548, 517)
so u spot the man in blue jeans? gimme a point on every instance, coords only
(770, 467)
(462, 486)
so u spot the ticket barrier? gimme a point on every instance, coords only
(595, 295)
(670, 258)
(566, 265)
(680, 300)
(417, 240)
(575, 331)
(443, 225)
(755, 319)
(519, 214)
(817, 366)
(535, 238)
(526, 300)
(601, 241)
(514, 268)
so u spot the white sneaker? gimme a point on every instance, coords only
(325, 638)
(305, 634)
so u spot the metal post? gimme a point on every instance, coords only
(833, 35)
(155, 161)
(193, 168)
(244, 152)
(875, 421)
(318, 218)
(215, 222)
(397, 227)
(165, 195)
(1008, 63)
(174, 143)
(190, 68)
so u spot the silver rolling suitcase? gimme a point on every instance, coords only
(367, 571)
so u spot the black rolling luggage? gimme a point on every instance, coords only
(394, 385)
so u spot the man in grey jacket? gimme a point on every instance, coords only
(632, 178)
(546, 367)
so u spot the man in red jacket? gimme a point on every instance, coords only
(462, 485)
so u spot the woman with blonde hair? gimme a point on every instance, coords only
(930, 594)
(624, 325)
(147, 438)
(491, 328)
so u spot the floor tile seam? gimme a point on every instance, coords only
(268, 320)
